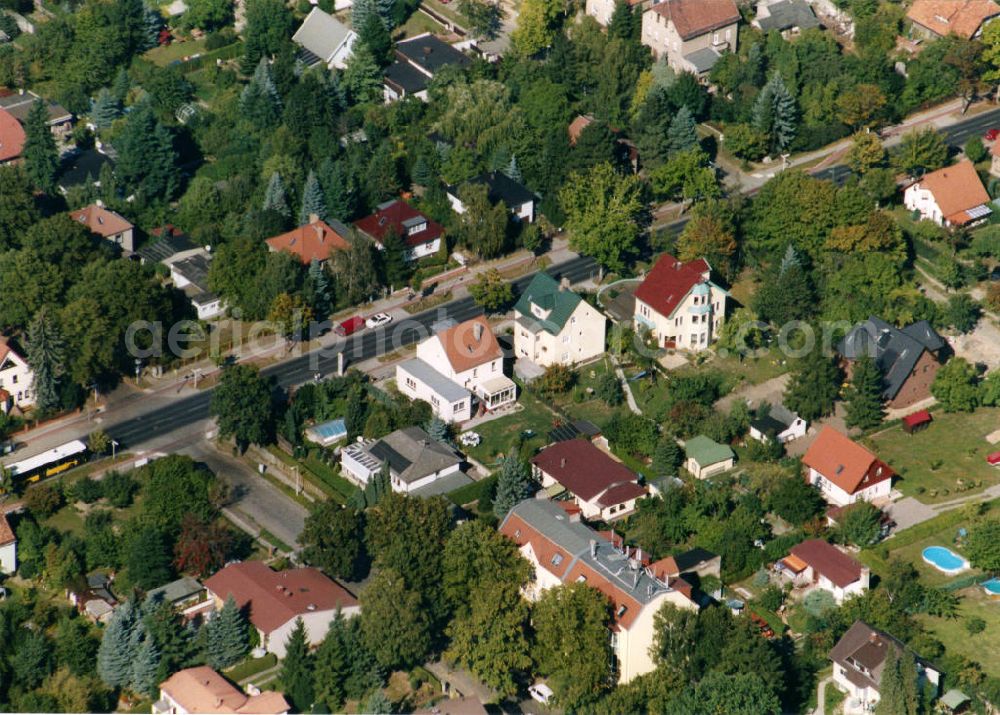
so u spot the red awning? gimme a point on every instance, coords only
(917, 418)
(993, 459)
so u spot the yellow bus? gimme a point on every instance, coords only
(49, 463)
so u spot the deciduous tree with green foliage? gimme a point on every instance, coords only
(491, 292)
(604, 212)
(983, 545)
(333, 540)
(866, 152)
(267, 30)
(394, 622)
(571, 643)
(955, 386)
(483, 225)
(860, 525)
(921, 150)
(898, 688)
(242, 404)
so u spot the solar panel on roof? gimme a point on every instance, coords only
(979, 211)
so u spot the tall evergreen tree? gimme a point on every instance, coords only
(361, 11)
(791, 259)
(41, 157)
(117, 650)
(227, 638)
(375, 36)
(513, 171)
(668, 456)
(121, 85)
(331, 667)
(395, 268)
(378, 703)
(313, 202)
(152, 24)
(45, 353)
(682, 134)
(146, 667)
(775, 114)
(297, 669)
(338, 189)
(356, 412)
(513, 485)
(275, 198)
(319, 288)
(864, 395)
(104, 109)
(814, 386)
(146, 156)
(438, 429)
(898, 688)
(422, 174)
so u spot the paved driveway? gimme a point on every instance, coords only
(254, 496)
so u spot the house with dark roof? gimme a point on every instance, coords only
(908, 357)
(314, 241)
(555, 326)
(418, 464)
(952, 196)
(421, 236)
(692, 565)
(186, 595)
(859, 661)
(603, 488)
(779, 422)
(518, 199)
(19, 104)
(82, 168)
(691, 34)
(818, 564)
(844, 471)
(464, 355)
(275, 600)
(931, 19)
(789, 17)
(168, 243)
(680, 305)
(418, 59)
(562, 550)
(190, 275)
(323, 39)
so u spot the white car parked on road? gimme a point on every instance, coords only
(378, 320)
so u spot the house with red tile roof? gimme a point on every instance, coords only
(107, 224)
(603, 488)
(691, 34)
(421, 236)
(563, 550)
(459, 371)
(202, 690)
(818, 564)
(8, 546)
(931, 19)
(844, 471)
(952, 196)
(680, 305)
(315, 241)
(16, 378)
(12, 138)
(274, 600)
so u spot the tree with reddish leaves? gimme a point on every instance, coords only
(202, 547)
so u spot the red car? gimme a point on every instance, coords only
(350, 326)
(991, 135)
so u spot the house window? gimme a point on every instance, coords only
(572, 321)
(434, 400)
(715, 38)
(474, 371)
(459, 406)
(14, 379)
(411, 383)
(566, 339)
(565, 357)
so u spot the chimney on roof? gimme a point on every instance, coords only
(477, 331)
(564, 283)
(319, 232)
(313, 218)
(593, 548)
(562, 463)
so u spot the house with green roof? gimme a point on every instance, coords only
(705, 457)
(555, 326)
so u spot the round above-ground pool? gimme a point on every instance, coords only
(992, 586)
(944, 559)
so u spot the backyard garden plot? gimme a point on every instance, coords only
(945, 461)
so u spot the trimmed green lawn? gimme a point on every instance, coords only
(251, 666)
(833, 697)
(163, 56)
(417, 24)
(501, 434)
(984, 648)
(945, 461)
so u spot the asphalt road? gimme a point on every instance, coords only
(955, 136)
(364, 346)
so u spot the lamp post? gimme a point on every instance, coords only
(114, 446)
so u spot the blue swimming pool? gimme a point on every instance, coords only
(944, 559)
(992, 586)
